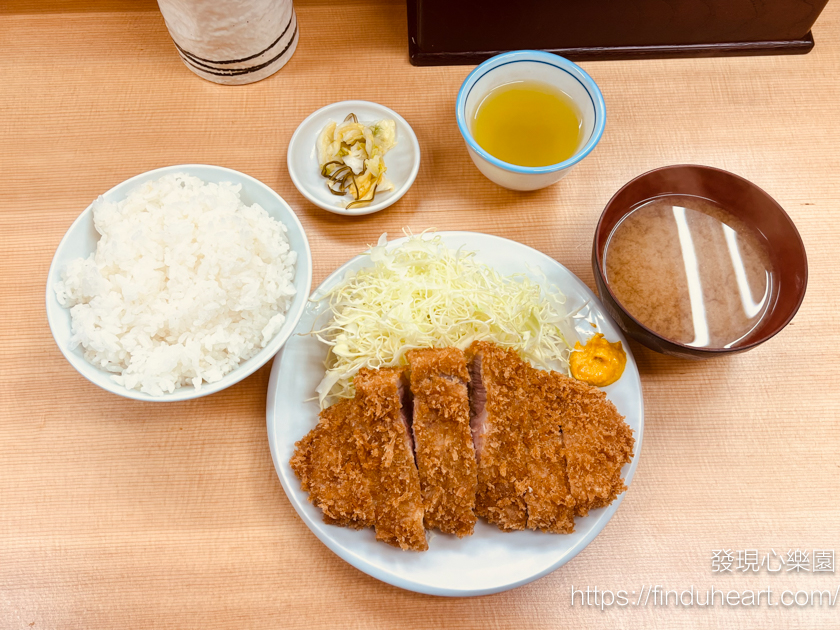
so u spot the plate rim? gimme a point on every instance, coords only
(359, 561)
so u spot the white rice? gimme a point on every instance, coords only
(186, 283)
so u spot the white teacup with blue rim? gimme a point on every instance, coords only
(543, 67)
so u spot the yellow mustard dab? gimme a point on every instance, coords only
(599, 362)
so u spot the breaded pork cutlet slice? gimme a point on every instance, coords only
(597, 442)
(551, 506)
(443, 443)
(526, 474)
(358, 463)
(498, 397)
(327, 463)
(386, 453)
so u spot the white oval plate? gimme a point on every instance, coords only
(403, 161)
(489, 561)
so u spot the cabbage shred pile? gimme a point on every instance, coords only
(422, 294)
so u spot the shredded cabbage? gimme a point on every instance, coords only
(423, 294)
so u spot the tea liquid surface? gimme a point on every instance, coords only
(528, 123)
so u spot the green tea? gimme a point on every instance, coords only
(528, 123)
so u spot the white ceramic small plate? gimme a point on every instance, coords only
(81, 239)
(403, 161)
(490, 560)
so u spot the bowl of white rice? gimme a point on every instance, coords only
(178, 283)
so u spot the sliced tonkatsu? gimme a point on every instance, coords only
(326, 461)
(519, 446)
(500, 416)
(386, 453)
(443, 443)
(485, 434)
(358, 463)
(598, 442)
(551, 506)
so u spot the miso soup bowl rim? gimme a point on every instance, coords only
(538, 56)
(598, 250)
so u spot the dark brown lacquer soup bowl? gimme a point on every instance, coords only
(759, 218)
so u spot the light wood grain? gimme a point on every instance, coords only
(120, 514)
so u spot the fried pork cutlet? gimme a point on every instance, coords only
(358, 463)
(383, 436)
(499, 420)
(597, 442)
(327, 463)
(521, 447)
(521, 469)
(443, 443)
(551, 506)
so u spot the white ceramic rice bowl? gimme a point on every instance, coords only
(81, 239)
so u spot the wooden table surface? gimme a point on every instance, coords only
(120, 514)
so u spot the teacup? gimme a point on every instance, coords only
(530, 65)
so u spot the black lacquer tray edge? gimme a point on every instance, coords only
(799, 46)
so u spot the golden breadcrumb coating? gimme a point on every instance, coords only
(327, 464)
(387, 458)
(521, 447)
(443, 443)
(597, 440)
(498, 430)
(358, 464)
(522, 470)
(551, 506)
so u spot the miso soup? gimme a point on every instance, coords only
(690, 271)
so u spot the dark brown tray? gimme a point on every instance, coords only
(450, 32)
